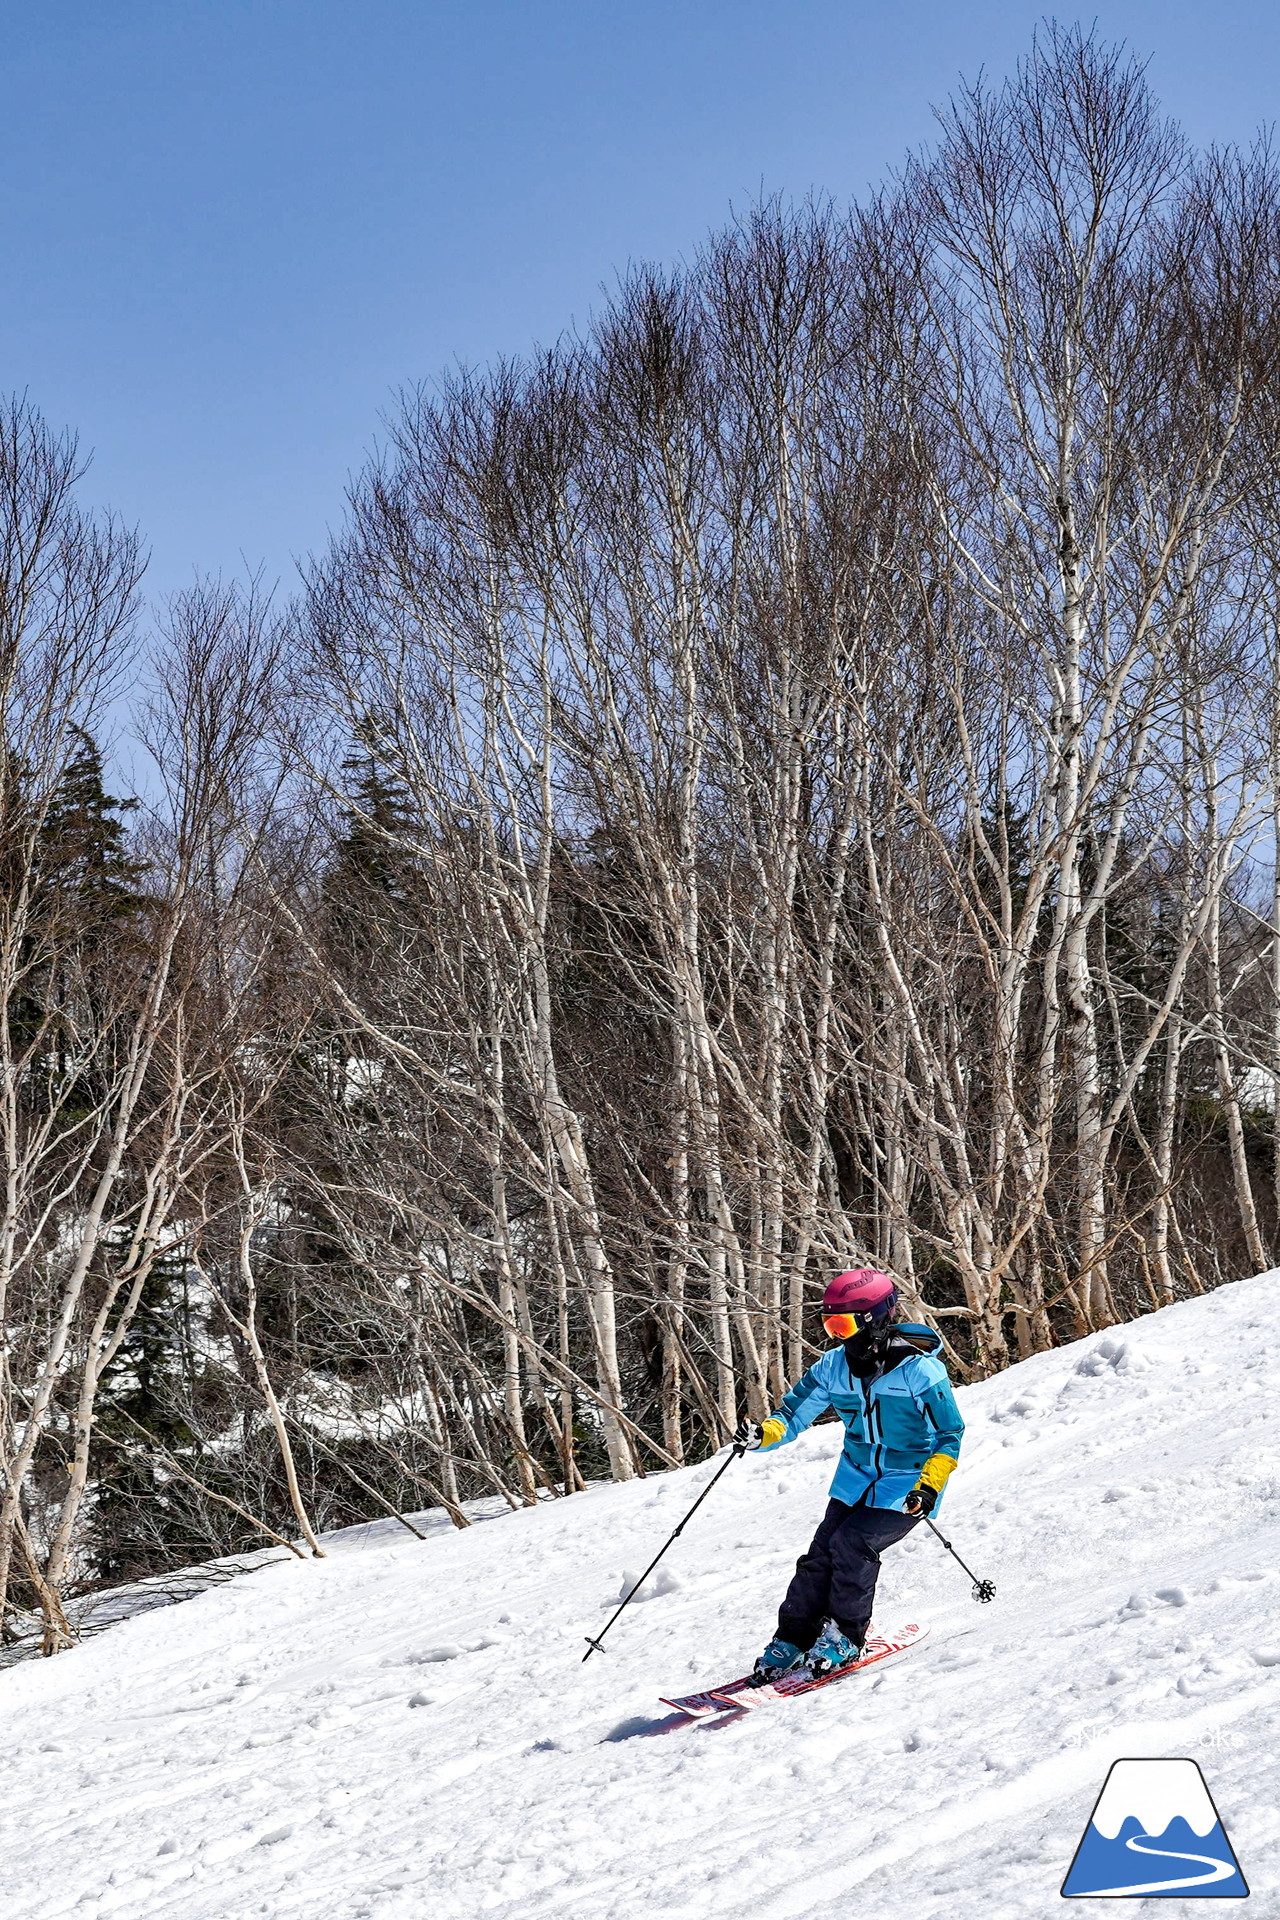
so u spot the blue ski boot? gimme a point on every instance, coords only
(831, 1651)
(779, 1657)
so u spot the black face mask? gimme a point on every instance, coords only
(865, 1352)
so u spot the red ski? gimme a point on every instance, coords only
(745, 1693)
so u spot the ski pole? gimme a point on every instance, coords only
(594, 1645)
(982, 1589)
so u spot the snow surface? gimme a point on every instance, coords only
(407, 1731)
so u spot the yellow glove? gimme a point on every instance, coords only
(936, 1471)
(933, 1478)
(771, 1432)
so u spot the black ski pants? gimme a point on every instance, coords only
(836, 1578)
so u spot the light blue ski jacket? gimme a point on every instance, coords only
(908, 1414)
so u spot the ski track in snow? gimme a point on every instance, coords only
(409, 1731)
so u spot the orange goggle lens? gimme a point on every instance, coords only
(841, 1326)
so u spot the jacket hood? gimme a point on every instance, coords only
(878, 1350)
(922, 1338)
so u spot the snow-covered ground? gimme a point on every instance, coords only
(407, 1732)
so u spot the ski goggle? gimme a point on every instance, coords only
(843, 1326)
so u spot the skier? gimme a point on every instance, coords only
(902, 1439)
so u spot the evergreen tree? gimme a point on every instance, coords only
(139, 1511)
(83, 857)
(370, 854)
(87, 896)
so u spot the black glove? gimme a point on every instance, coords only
(749, 1436)
(919, 1501)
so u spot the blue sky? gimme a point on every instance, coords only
(230, 229)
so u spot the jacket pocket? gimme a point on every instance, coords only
(899, 1424)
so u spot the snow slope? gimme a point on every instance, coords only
(408, 1731)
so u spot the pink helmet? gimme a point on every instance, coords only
(867, 1294)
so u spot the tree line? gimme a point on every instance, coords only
(788, 779)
